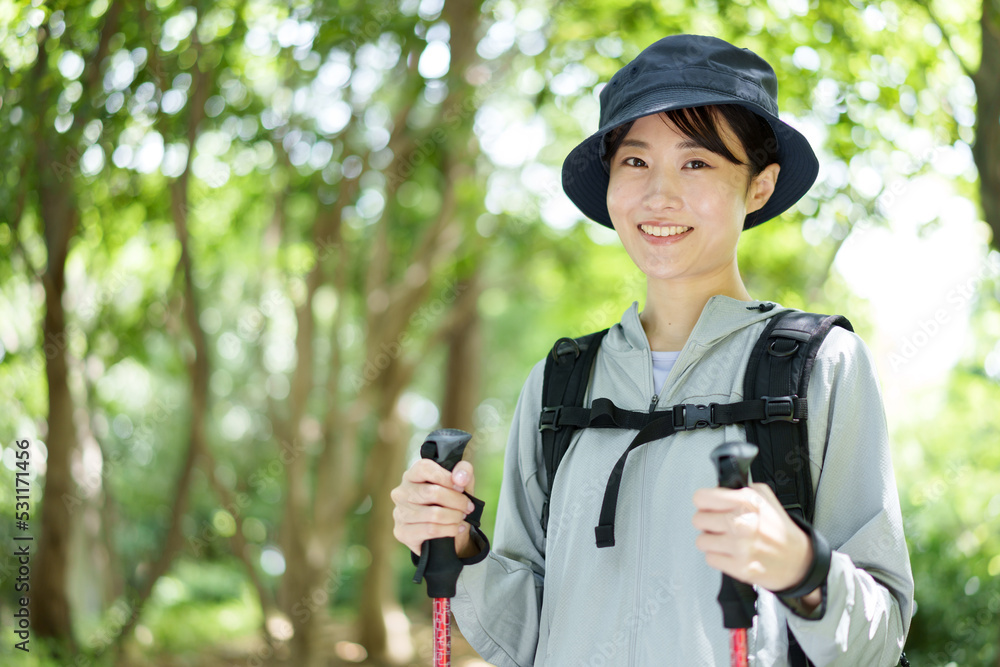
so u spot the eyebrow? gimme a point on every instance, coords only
(687, 144)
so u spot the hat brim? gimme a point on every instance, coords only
(586, 182)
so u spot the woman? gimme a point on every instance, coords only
(690, 153)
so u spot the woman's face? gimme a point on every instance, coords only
(678, 207)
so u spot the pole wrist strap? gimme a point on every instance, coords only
(473, 518)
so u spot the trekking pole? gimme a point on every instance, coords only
(737, 599)
(439, 563)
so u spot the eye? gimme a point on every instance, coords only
(626, 162)
(696, 164)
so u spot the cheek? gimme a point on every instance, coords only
(615, 194)
(617, 200)
(718, 199)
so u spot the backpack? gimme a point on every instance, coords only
(774, 413)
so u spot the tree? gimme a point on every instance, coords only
(987, 146)
(45, 169)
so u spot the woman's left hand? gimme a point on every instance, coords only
(747, 534)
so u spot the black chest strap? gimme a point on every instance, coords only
(603, 413)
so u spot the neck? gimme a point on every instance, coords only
(673, 307)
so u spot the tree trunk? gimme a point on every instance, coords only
(304, 590)
(50, 614)
(383, 630)
(50, 611)
(386, 329)
(198, 365)
(304, 595)
(986, 150)
(381, 625)
(93, 575)
(465, 351)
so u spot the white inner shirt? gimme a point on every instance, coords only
(662, 363)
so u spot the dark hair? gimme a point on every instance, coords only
(700, 124)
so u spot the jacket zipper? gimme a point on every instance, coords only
(652, 376)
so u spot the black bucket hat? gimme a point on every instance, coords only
(679, 72)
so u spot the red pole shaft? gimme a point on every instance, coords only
(442, 632)
(738, 647)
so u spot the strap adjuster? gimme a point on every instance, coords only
(563, 347)
(550, 423)
(780, 408)
(688, 416)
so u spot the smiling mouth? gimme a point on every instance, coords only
(658, 230)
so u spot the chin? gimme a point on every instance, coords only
(661, 272)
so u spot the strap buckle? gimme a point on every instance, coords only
(780, 408)
(550, 423)
(688, 416)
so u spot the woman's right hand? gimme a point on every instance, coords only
(430, 503)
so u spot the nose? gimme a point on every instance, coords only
(661, 193)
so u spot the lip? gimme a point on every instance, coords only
(662, 240)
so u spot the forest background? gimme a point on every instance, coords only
(252, 252)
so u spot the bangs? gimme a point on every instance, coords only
(701, 125)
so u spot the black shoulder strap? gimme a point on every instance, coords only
(567, 374)
(780, 365)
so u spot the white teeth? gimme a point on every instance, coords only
(663, 231)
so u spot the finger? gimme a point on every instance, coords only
(413, 493)
(426, 470)
(715, 544)
(733, 567)
(418, 514)
(463, 477)
(766, 493)
(432, 531)
(742, 500)
(717, 499)
(441, 496)
(712, 522)
(730, 556)
(414, 535)
(735, 524)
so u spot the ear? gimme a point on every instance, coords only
(762, 187)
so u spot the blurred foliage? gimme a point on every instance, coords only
(949, 469)
(303, 96)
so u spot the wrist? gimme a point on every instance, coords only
(464, 546)
(819, 556)
(805, 560)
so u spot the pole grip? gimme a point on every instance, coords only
(737, 599)
(445, 447)
(732, 463)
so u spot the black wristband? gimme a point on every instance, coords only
(476, 515)
(473, 519)
(475, 535)
(479, 538)
(819, 568)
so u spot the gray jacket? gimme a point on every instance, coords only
(651, 599)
